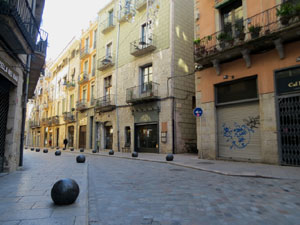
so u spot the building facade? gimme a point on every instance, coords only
(247, 84)
(144, 96)
(22, 55)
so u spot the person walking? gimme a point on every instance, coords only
(65, 142)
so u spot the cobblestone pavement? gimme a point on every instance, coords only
(25, 195)
(135, 192)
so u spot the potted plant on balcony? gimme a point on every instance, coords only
(297, 10)
(255, 30)
(240, 32)
(199, 47)
(285, 13)
(224, 38)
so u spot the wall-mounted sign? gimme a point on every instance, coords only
(198, 112)
(288, 81)
(8, 72)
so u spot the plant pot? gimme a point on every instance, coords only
(254, 35)
(284, 20)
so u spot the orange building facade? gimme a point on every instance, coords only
(247, 58)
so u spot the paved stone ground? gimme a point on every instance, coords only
(123, 191)
(25, 196)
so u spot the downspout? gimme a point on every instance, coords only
(172, 22)
(24, 103)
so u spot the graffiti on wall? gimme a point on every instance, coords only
(239, 136)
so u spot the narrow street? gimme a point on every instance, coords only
(133, 192)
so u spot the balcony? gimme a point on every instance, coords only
(34, 124)
(108, 25)
(105, 103)
(81, 105)
(69, 117)
(105, 62)
(256, 34)
(143, 46)
(84, 77)
(49, 121)
(70, 85)
(143, 93)
(55, 120)
(44, 122)
(84, 52)
(142, 4)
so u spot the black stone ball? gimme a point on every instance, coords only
(81, 150)
(94, 151)
(45, 150)
(135, 154)
(71, 149)
(64, 149)
(65, 192)
(111, 152)
(25, 148)
(80, 159)
(37, 150)
(169, 157)
(57, 153)
(32, 149)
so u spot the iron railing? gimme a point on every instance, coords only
(143, 45)
(144, 92)
(105, 101)
(108, 24)
(105, 62)
(259, 25)
(84, 77)
(55, 120)
(34, 123)
(23, 16)
(81, 104)
(84, 52)
(70, 84)
(69, 117)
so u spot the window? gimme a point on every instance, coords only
(95, 39)
(108, 50)
(58, 109)
(146, 33)
(232, 17)
(107, 85)
(238, 90)
(64, 105)
(127, 137)
(86, 66)
(71, 102)
(94, 65)
(84, 94)
(111, 18)
(92, 91)
(87, 45)
(146, 73)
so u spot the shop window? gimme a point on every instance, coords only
(239, 90)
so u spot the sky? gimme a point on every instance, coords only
(64, 19)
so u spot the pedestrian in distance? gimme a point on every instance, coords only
(65, 142)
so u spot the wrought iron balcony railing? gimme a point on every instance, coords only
(105, 103)
(141, 4)
(143, 46)
(81, 105)
(142, 93)
(84, 52)
(23, 16)
(44, 121)
(84, 77)
(108, 25)
(34, 124)
(105, 62)
(55, 120)
(265, 25)
(69, 117)
(70, 84)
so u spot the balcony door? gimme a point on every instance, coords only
(146, 78)
(146, 33)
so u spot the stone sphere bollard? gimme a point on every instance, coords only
(64, 149)
(71, 149)
(169, 157)
(111, 152)
(57, 153)
(65, 192)
(94, 151)
(80, 159)
(37, 150)
(32, 149)
(81, 150)
(135, 154)
(26, 148)
(45, 150)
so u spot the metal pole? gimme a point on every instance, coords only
(24, 103)
(116, 77)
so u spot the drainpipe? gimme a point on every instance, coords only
(24, 103)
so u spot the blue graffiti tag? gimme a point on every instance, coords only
(239, 137)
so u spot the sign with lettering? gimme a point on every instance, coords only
(288, 81)
(8, 72)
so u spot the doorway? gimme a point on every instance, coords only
(82, 136)
(71, 136)
(108, 129)
(146, 138)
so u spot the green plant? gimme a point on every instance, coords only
(255, 28)
(297, 9)
(197, 41)
(286, 9)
